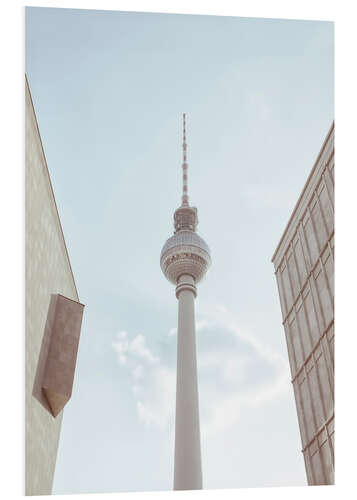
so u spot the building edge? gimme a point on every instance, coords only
(50, 184)
(300, 208)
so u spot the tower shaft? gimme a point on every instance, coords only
(184, 260)
(188, 470)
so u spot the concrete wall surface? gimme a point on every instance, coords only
(304, 268)
(48, 271)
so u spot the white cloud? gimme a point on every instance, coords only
(135, 347)
(122, 359)
(230, 369)
(201, 324)
(172, 331)
(233, 376)
(155, 403)
(138, 347)
(121, 347)
(207, 360)
(144, 413)
(138, 372)
(122, 334)
(158, 406)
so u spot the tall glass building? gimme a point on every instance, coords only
(304, 269)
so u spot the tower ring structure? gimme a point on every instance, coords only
(185, 253)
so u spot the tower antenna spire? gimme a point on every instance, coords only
(184, 166)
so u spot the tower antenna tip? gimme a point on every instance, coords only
(184, 164)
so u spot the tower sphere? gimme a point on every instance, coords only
(185, 253)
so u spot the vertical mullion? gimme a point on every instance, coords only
(313, 412)
(329, 195)
(288, 337)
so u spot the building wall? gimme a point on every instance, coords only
(48, 271)
(304, 268)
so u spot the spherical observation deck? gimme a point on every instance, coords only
(185, 253)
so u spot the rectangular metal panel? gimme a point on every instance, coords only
(58, 355)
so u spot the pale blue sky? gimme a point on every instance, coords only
(109, 90)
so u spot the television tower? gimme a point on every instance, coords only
(184, 260)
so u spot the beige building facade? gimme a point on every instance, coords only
(48, 273)
(304, 269)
